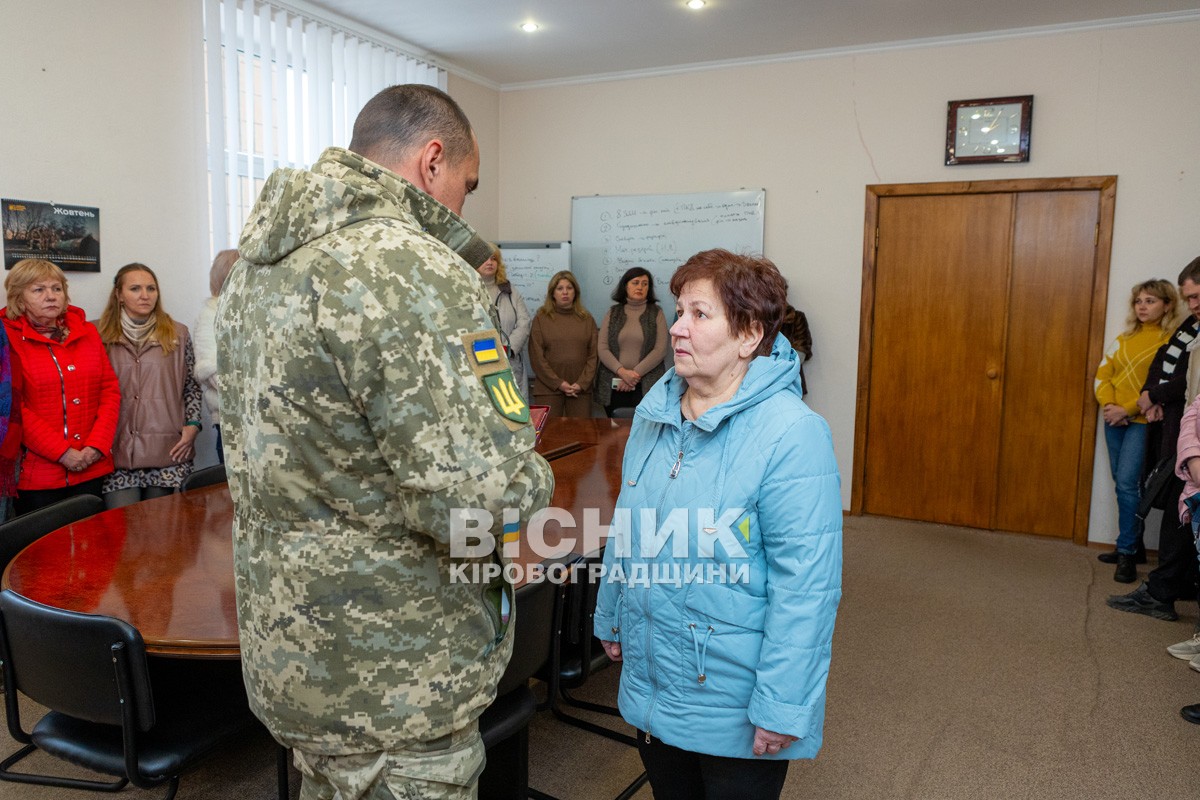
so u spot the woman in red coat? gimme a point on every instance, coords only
(69, 398)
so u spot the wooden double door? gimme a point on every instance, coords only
(982, 324)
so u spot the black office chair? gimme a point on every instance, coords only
(504, 726)
(208, 476)
(111, 711)
(20, 532)
(577, 653)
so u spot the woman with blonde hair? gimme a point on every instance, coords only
(69, 397)
(515, 322)
(1153, 316)
(160, 407)
(562, 350)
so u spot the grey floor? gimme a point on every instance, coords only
(966, 664)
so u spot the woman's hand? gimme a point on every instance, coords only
(183, 449)
(612, 650)
(92, 455)
(75, 460)
(1115, 415)
(1154, 413)
(629, 379)
(1144, 402)
(1193, 468)
(769, 743)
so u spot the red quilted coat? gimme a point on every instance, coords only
(69, 398)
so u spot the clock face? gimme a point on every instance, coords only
(988, 131)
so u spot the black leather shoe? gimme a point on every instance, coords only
(1110, 557)
(1140, 601)
(1191, 713)
(1126, 569)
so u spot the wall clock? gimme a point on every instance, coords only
(988, 131)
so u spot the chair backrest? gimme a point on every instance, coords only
(624, 412)
(20, 532)
(579, 653)
(538, 605)
(87, 666)
(208, 476)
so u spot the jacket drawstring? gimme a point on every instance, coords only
(701, 650)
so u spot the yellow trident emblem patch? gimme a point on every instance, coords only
(502, 389)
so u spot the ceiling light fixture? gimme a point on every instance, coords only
(530, 27)
(695, 5)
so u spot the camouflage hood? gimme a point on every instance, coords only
(343, 189)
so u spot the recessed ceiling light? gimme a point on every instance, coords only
(695, 5)
(530, 27)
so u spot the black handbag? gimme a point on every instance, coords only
(1156, 486)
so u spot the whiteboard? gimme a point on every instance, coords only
(531, 265)
(610, 234)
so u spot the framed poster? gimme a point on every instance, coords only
(69, 236)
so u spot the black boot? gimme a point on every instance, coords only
(1139, 556)
(1126, 568)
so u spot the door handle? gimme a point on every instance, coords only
(993, 373)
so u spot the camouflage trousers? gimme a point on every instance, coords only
(443, 769)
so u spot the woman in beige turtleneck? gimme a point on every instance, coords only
(632, 343)
(562, 350)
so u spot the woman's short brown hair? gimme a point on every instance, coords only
(24, 274)
(750, 288)
(221, 267)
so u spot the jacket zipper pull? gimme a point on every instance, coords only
(647, 737)
(678, 464)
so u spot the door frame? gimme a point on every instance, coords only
(1106, 185)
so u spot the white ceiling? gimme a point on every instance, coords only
(582, 39)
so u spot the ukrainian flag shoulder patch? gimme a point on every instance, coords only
(487, 361)
(484, 350)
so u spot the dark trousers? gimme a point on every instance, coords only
(683, 775)
(1176, 574)
(33, 499)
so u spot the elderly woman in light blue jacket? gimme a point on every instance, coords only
(722, 586)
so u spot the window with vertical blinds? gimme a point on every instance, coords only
(280, 87)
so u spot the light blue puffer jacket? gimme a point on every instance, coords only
(705, 661)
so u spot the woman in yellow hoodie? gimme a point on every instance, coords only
(1154, 313)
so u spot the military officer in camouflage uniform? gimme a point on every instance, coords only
(362, 400)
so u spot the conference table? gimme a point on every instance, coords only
(166, 565)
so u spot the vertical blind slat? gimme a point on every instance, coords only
(303, 80)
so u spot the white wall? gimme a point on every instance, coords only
(103, 106)
(482, 107)
(100, 109)
(815, 132)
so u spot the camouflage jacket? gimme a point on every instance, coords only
(354, 418)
